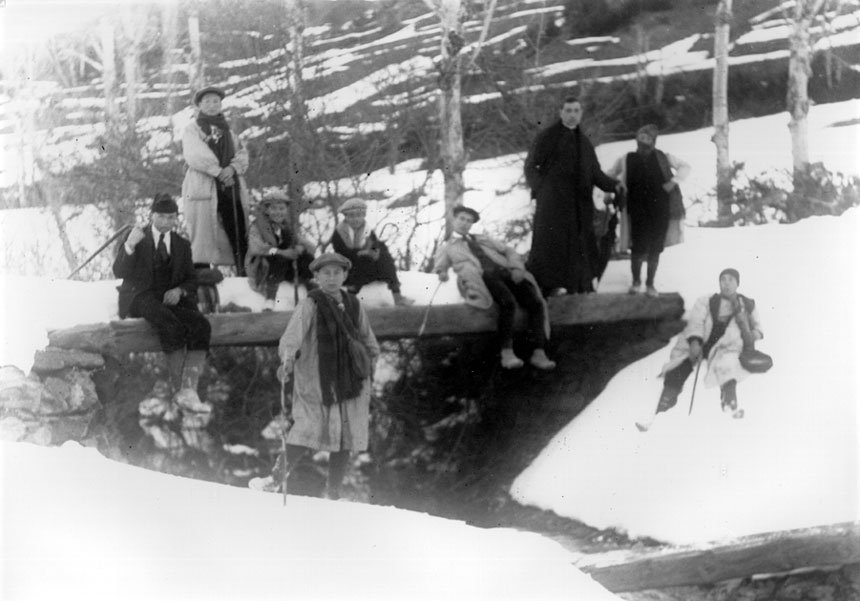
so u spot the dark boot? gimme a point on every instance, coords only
(668, 399)
(729, 399)
(337, 463)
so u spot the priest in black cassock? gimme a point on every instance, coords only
(562, 169)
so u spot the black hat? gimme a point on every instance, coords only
(164, 203)
(330, 259)
(732, 272)
(461, 209)
(208, 90)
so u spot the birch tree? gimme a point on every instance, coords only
(108, 60)
(169, 41)
(451, 15)
(296, 20)
(195, 63)
(721, 109)
(799, 71)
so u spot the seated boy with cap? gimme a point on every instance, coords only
(488, 271)
(275, 252)
(370, 258)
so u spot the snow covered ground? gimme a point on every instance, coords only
(792, 462)
(78, 526)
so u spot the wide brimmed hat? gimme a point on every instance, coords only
(164, 203)
(208, 90)
(353, 204)
(461, 209)
(330, 259)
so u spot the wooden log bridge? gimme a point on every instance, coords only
(785, 552)
(264, 329)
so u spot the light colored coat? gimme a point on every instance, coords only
(456, 254)
(209, 241)
(342, 426)
(723, 360)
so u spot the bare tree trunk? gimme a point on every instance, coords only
(799, 70)
(300, 143)
(453, 154)
(169, 41)
(195, 64)
(721, 110)
(108, 52)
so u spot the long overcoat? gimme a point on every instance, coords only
(724, 359)
(341, 426)
(209, 241)
(562, 176)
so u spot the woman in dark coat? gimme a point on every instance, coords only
(562, 169)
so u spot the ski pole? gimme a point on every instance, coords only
(695, 381)
(121, 231)
(427, 310)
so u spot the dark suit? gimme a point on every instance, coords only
(178, 326)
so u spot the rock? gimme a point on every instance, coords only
(75, 391)
(70, 427)
(12, 429)
(164, 438)
(18, 392)
(58, 390)
(54, 359)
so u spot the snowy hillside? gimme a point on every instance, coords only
(361, 78)
(792, 462)
(97, 530)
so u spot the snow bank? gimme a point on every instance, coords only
(792, 462)
(79, 526)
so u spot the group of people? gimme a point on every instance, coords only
(329, 346)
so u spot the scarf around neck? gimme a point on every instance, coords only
(218, 137)
(336, 324)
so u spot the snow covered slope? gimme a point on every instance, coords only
(792, 462)
(78, 526)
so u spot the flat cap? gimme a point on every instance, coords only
(330, 259)
(461, 209)
(164, 203)
(650, 130)
(208, 90)
(353, 204)
(275, 196)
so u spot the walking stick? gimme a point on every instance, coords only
(427, 310)
(121, 231)
(237, 247)
(284, 430)
(695, 381)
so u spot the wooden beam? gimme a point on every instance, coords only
(264, 329)
(773, 553)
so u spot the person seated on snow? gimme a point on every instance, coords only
(370, 257)
(275, 252)
(488, 271)
(331, 386)
(159, 284)
(718, 329)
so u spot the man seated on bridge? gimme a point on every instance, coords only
(159, 284)
(487, 271)
(370, 257)
(275, 251)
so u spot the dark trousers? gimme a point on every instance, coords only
(507, 294)
(365, 270)
(337, 464)
(673, 383)
(178, 326)
(636, 261)
(282, 270)
(233, 219)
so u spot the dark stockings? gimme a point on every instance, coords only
(636, 261)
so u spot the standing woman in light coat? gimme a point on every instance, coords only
(214, 192)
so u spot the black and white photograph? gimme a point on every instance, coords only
(430, 299)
